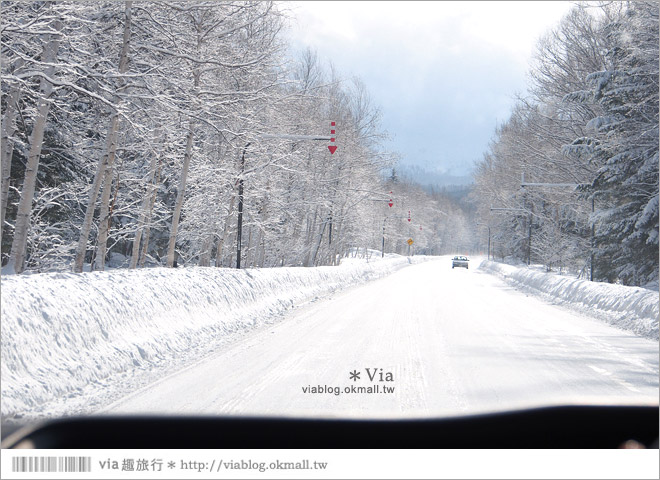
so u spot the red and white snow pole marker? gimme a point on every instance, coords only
(332, 148)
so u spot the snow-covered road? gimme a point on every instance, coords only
(448, 340)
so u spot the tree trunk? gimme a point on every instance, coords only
(246, 256)
(338, 245)
(104, 221)
(205, 254)
(142, 258)
(318, 244)
(261, 259)
(179, 197)
(145, 211)
(19, 243)
(231, 250)
(221, 240)
(184, 171)
(104, 217)
(309, 241)
(259, 252)
(152, 202)
(7, 145)
(105, 164)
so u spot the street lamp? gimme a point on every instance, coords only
(239, 227)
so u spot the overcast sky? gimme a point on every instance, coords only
(443, 73)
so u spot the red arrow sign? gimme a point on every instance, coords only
(332, 148)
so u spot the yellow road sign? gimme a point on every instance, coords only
(410, 241)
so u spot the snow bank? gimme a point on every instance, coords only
(631, 308)
(62, 332)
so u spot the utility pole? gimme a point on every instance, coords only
(239, 230)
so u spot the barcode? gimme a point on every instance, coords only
(51, 464)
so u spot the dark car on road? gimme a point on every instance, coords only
(460, 261)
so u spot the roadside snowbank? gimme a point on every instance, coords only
(62, 332)
(630, 308)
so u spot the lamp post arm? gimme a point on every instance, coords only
(294, 137)
(529, 184)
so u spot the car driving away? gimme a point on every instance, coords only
(460, 261)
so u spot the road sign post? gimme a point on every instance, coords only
(390, 204)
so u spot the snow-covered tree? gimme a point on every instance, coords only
(623, 143)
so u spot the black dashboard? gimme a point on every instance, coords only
(549, 427)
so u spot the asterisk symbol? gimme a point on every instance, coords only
(171, 465)
(355, 375)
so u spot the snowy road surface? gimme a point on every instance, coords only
(453, 341)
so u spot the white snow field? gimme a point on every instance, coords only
(216, 341)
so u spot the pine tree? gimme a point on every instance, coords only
(626, 148)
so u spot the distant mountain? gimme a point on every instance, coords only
(432, 179)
